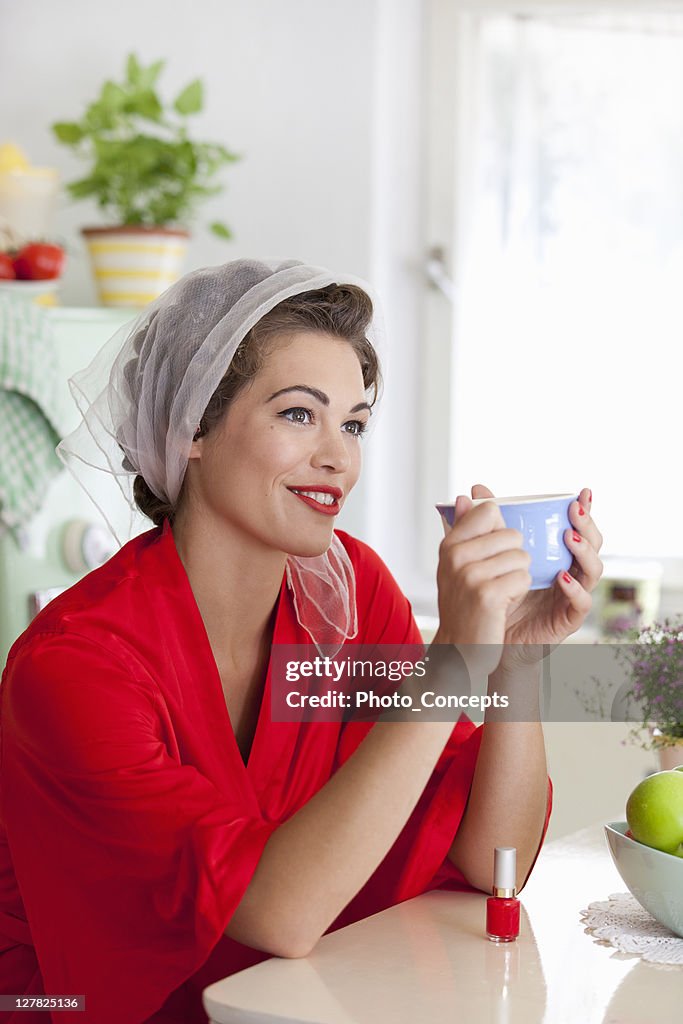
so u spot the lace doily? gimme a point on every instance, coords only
(621, 922)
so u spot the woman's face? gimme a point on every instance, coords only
(282, 461)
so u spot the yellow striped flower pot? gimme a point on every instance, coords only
(133, 265)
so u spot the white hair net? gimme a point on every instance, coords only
(145, 392)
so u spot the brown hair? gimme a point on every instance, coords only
(342, 311)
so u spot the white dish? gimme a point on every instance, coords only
(41, 293)
(30, 288)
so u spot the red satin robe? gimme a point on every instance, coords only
(130, 827)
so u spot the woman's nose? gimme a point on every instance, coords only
(332, 451)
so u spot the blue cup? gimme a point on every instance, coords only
(542, 520)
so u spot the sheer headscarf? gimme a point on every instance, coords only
(145, 392)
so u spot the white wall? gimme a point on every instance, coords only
(289, 85)
(593, 767)
(322, 100)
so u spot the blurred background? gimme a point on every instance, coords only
(509, 176)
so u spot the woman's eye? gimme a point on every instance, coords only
(298, 414)
(295, 415)
(358, 426)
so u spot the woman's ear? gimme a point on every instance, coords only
(196, 448)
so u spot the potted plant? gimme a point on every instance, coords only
(654, 664)
(148, 175)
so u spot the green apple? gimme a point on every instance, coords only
(654, 811)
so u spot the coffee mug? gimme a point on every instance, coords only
(542, 520)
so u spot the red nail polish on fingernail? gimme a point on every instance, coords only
(581, 511)
(576, 536)
(566, 577)
(590, 497)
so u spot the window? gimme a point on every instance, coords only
(564, 350)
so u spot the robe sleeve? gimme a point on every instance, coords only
(418, 860)
(129, 863)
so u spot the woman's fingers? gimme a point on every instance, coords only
(463, 504)
(582, 521)
(480, 491)
(482, 569)
(579, 599)
(587, 567)
(482, 548)
(474, 521)
(584, 541)
(516, 560)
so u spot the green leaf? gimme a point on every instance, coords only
(99, 118)
(226, 155)
(83, 188)
(133, 69)
(149, 75)
(190, 99)
(68, 132)
(221, 230)
(113, 96)
(146, 104)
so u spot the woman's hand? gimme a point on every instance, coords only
(483, 574)
(547, 617)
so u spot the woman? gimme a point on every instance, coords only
(159, 830)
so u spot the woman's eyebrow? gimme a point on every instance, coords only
(315, 393)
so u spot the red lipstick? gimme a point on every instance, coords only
(502, 909)
(328, 510)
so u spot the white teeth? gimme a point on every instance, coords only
(320, 496)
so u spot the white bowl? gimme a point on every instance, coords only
(653, 877)
(42, 292)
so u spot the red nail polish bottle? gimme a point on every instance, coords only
(502, 909)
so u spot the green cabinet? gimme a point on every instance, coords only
(30, 570)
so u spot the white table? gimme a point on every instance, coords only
(427, 961)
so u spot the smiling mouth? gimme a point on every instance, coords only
(319, 501)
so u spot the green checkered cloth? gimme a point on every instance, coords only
(29, 413)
